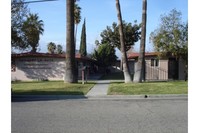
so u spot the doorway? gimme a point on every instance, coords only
(173, 69)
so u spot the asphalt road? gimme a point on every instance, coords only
(100, 116)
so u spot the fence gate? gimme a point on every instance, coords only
(155, 73)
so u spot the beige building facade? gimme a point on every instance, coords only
(42, 66)
(157, 68)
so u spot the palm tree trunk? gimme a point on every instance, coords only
(70, 74)
(127, 76)
(75, 35)
(34, 49)
(139, 75)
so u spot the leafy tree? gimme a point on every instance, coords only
(184, 48)
(105, 55)
(51, 47)
(71, 68)
(131, 35)
(140, 72)
(59, 49)
(171, 37)
(83, 50)
(19, 11)
(127, 76)
(32, 29)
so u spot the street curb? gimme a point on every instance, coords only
(97, 97)
(151, 96)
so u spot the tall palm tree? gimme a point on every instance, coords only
(32, 28)
(51, 47)
(139, 75)
(77, 18)
(59, 49)
(127, 76)
(70, 69)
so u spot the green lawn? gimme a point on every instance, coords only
(172, 87)
(50, 88)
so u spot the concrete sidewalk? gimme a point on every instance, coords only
(100, 89)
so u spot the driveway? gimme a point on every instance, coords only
(100, 116)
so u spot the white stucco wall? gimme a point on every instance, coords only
(38, 68)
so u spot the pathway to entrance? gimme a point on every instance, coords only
(100, 89)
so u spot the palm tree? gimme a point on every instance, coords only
(59, 49)
(70, 69)
(51, 47)
(32, 28)
(77, 18)
(139, 75)
(127, 76)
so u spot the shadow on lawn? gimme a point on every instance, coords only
(45, 97)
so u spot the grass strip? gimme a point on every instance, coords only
(172, 87)
(50, 88)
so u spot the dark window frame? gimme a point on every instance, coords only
(154, 62)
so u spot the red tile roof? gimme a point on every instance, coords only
(147, 54)
(30, 54)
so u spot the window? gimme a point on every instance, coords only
(154, 62)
